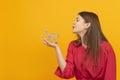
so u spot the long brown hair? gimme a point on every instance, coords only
(93, 36)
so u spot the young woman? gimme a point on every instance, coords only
(90, 57)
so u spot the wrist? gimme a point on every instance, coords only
(56, 46)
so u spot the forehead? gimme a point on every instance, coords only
(78, 17)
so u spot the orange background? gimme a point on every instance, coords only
(23, 56)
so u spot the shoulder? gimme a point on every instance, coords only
(106, 45)
(72, 43)
(107, 48)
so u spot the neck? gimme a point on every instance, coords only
(83, 44)
(82, 40)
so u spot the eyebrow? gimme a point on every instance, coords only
(77, 18)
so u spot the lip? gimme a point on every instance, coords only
(73, 26)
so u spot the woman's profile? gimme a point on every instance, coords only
(90, 56)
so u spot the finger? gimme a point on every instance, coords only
(44, 38)
(48, 42)
(44, 41)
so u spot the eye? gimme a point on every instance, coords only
(77, 20)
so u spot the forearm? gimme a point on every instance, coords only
(60, 59)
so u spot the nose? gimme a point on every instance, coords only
(73, 22)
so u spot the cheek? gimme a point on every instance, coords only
(80, 26)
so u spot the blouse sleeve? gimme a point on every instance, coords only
(110, 71)
(69, 68)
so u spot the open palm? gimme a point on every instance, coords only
(48, 43)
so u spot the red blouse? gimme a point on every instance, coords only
(75, 66)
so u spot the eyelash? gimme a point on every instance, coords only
(77, 20)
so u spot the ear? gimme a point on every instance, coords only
(87, 25)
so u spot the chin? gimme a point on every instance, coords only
(75, 32)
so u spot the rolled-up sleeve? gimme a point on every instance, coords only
(110, 72)
(69, 68)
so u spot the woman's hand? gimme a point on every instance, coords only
(48, 43)
(60, 58)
